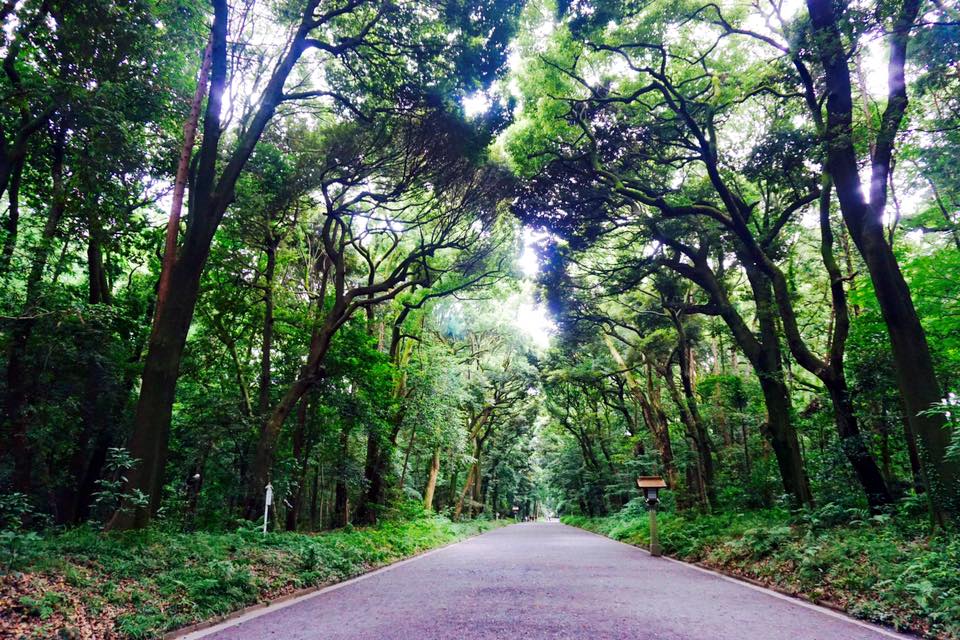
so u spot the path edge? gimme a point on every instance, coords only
(773, 591)
(206, 627)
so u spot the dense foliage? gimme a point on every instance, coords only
(734, 315)
(277, 255)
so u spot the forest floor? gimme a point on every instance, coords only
(86, 584)
(883, 568)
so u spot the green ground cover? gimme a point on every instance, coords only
(86, 584)
(882, 568)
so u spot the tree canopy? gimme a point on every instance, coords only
(484, 255)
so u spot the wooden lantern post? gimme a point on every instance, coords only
(650, 486)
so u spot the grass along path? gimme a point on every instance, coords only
(883, 569)
(87, 584)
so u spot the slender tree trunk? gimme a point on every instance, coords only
(916, 469)
(851, 442)
(300, 454)
(406, 457)
(432, 479)
(314, 496)
(704, 445)
(658, 428)
(476, 498)
(696, 472)
(180, 181)
(379, 452)
(341, 500)
(269, 434)
(12, 224)
(266, 346)
(97, 401)
(20, 377)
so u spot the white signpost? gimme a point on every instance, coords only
(266, 506)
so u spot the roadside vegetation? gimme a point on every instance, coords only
(882, 568)
(87, 584)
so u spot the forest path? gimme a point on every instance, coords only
(543, 580)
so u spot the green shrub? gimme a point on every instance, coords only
(884, 567)
(154, 580)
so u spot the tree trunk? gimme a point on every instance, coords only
(12, 225)
(699, 430)
(472, 477)
(767, 362)
(783, 438)
(855, 449)
(916, 378)
(916, 469)
(266, 346)
(341, 500)
(210, 197)
(696, 473)
(829, 371)
(432, 479)
(406, 457)
(315, 496)
(372, 498)
(182, 175)
(148, 443)
(301, 451)
(651, 417)
(20, 377)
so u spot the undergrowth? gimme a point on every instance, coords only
(83, 583)
(882, 568)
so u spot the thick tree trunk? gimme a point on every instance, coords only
(767, 362)
(210, 197)
(783, 437)
(829, 371)
(373, 473)
(916, 378)
(148, 443)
